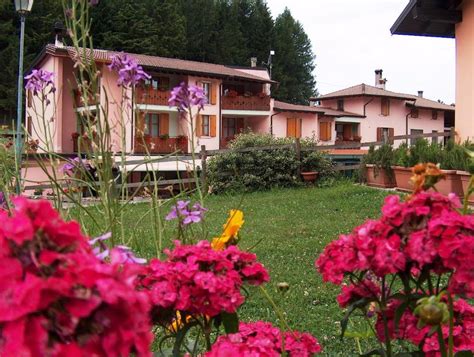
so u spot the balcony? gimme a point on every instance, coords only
(160, 145)
(79, 100)
(152, 96)
(242, 102)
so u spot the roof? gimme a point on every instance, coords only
(371, 91)
(288, 107)
(161, 63)
(435, 18)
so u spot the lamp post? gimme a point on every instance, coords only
(23, 7)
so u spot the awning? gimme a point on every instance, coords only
(348, 120)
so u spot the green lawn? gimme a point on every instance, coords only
(294, 226)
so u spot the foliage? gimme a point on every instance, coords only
(294, 61)
(217, 31)
(7, 164)
(382, 158)
(263, 169)
(454, 157)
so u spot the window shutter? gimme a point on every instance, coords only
(299, 124)
(198, 125)
(385, 106)
(213, 94)
(379, 134)
(391, 133)
(325, 131)
(290, 127)
(164, 124)
(213, 128)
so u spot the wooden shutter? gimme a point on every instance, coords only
(198, 125)
(325, 131)
(212, 124)
(291, 127)
(391, 133)
(140, 124)
(385, 106)
(213, 94)
(164, 124)
(379, 134)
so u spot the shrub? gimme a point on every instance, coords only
(7, 164)
(263, 169)
(382, 158)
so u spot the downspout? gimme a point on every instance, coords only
(365, 105)
(271, 122)
(220, 114)
(406, 125)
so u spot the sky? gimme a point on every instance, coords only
(351, 38)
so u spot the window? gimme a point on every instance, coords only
(415, 132)
(325, 131)
(152, 125)
(434, 114)
(206, 125)
(385, 107)
(414, 113)
(229, 128)
(206, 86)
(434, 139)
(293, 127)
(158, 83)
(340, 104)
(29, 97)
(339, 131)
(385, 135)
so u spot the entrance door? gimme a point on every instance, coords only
(230, 128)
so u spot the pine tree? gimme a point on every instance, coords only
(294, 61)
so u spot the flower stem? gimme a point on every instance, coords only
(442, 346)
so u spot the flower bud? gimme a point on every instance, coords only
(431, 311)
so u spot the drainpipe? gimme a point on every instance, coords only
(220, 113)
(271, 122)
(406, 125)
(365, 105)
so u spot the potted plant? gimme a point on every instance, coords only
(377, 166)
(310, 165)
(401, 168)
(453, 162)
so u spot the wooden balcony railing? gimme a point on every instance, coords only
(157, 145)
(242, 102)
(152, 96)
(79, 100)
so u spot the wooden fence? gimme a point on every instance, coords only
(204, 154)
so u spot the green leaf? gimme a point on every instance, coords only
(376, 352)
(230, 322)
(352, 307)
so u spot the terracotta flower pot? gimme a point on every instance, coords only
(451, 184)
(378, 177)
(309, 176)
(402, 178)
(465, 176)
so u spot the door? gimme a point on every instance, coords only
(230, 128)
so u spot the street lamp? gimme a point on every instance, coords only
(23, 7)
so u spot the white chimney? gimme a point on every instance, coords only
(379, 81)
(420, 93)
(253, 62)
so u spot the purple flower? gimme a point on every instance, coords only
(184, 214)
(184, 97)
(122, 254)
(38, 80)
(3, 201)
(130, 73)
(72, 166)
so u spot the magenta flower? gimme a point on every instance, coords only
(185, 215)
(130, 73)
(38, 80)
(184, 97)
(122, 254)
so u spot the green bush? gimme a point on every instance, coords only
(7, 165)
(262, 169)
(381, 158)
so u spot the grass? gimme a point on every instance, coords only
(293, 227)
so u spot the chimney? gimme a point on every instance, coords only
(253, 62)
(59, 32)
(420, 93)
(379, 81)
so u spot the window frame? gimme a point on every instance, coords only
(205, 125)
(385, 104)
(340, 104)
(150, 125)
(206, 87)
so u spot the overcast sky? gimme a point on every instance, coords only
(351, 38)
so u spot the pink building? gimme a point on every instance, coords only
(450, 19)
(383, 113)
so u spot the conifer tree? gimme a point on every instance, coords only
(294, 61)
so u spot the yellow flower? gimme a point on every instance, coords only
(231, 230)
(233, 224)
